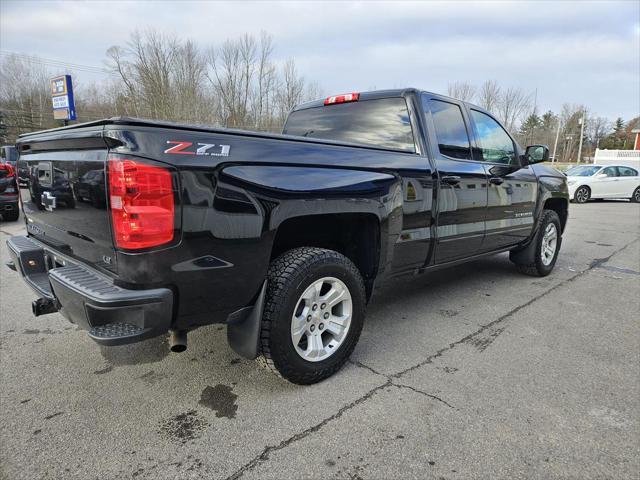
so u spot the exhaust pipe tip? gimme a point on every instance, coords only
(44, 306)
(177, 341)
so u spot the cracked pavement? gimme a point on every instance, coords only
(472, 372)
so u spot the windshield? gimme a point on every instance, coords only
(582, 171)
(379, 123)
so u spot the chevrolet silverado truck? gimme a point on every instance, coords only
(139, 228)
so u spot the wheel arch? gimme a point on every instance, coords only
(357, 236)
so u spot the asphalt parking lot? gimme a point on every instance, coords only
(474, 372)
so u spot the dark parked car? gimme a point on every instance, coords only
(91, 188)
(9, 209)
(281, 237)
(9, 154)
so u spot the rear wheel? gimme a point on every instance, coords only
(582, 195)
(636, 195)
(313, 314)
(12, 215)
(546, 246)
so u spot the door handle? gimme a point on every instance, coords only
(451, 179)
(496, 180)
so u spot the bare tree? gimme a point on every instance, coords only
(291, 90)
(25, 98)
(512, 105)
(489, 95)
(464, 91)
(597, 129)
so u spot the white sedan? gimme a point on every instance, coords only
(595, 181)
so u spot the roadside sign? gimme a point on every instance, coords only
(62, 98)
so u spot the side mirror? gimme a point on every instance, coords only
(536, 154)
(602, 175)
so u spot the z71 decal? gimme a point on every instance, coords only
(186, 148)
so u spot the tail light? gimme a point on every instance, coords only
(142, 203)
(344, 98)
(8, 169)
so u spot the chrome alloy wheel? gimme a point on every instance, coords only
(549, 244)
(582, 195)
(321, 319)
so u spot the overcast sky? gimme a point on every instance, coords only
(571, 51)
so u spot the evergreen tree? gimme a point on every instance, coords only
(529, 127)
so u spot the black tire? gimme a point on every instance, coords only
(635, 198)
(11, 216)
(289, 276)
(538, 268)
(582, 194)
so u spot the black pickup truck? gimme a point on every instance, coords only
(141, 228)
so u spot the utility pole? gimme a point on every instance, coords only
(555, 145)
(582, 122)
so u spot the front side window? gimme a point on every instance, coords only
(627, 172)
(582, 171)
(451, 133)
(494, 143)
(610, 171)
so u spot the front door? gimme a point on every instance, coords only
(462, 182)
(512, 191)
(607, 183)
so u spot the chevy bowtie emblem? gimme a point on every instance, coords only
(48, 201)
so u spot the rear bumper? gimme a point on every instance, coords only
(8, 203)
(112, 315)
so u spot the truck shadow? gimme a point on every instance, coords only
(208, 345)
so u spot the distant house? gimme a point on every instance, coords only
(636, 142)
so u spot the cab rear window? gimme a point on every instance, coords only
(378, 123)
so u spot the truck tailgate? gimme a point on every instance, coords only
(65, 203)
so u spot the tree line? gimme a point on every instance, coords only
(517, 110)
(240, 83)
(236, 84)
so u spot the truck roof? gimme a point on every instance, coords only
(375, 94)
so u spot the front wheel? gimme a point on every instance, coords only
(582, 195)
(546, 244)
(635, 198)
(313, 314)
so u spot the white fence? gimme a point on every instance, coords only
(630, 158)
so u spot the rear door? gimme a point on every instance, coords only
(512, 190)
(629, 180)
(462, 188)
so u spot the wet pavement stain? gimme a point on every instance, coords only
(34, 331)
(448, 313)
(221, 399)
(152, 377)
(481, 342)
(183, 427)
(49, 417)
(106, 369)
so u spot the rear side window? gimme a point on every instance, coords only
(610, 171)
(453, 140)
(378, 123)
(627, 172)
(495, 144)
